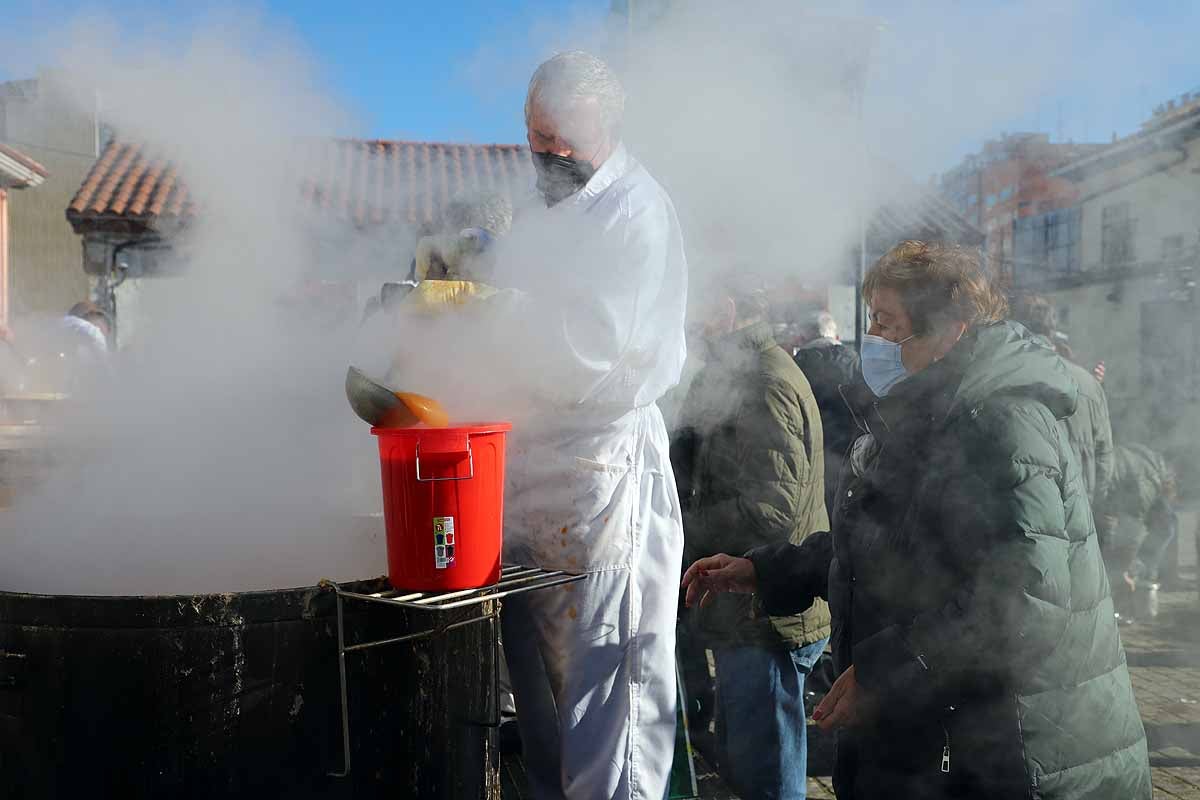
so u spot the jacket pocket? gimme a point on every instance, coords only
(571, 513)
(588, 465)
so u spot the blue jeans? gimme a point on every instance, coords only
(760, 719)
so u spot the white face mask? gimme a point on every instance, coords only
(882, 365)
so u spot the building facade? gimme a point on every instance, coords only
(1010, 181)
(17, 171)
(1120, 266)
(42, 117)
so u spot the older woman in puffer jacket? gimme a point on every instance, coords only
(972, 620)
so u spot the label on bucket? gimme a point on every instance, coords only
(443, 542)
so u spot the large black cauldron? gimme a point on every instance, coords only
(237, 696)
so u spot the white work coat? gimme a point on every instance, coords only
(604, 284)
(590, 487)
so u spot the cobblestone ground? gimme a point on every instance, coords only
(1177, 784)
(1164, 664)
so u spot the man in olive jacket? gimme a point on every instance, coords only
(750, 461)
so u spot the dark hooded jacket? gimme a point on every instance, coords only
(967, 589)
(830, 365)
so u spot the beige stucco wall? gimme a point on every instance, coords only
(46, 266)
(1164, 203)
(1104, 317)
(1104, 330)
(46, 271)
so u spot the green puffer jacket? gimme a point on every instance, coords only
(751, 472)
(1090, 433)
(968, 591)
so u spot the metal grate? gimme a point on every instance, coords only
(514, 579)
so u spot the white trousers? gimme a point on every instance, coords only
(593, 663)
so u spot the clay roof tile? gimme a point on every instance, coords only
(364, 182)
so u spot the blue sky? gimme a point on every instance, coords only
(404, 69)
(455, 71)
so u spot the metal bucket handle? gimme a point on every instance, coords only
(470, 464)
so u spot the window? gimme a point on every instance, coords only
(1116, 235)
(1172, 248)
(1047, 244)
(1167, 353)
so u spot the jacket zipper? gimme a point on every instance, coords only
(946, 751)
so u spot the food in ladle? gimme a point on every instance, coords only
(399, 416)
(414, 409)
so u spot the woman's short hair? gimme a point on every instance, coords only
(937, 283)
(1035, 313)
(748, 289)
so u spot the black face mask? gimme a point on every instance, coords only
(559, 177)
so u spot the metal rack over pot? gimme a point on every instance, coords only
(514, 579)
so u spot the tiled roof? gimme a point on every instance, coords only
(132, 184)
(133, 187)
(18, 169)
(906, 210)
(365, 182)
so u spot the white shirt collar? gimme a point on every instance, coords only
(614, 167)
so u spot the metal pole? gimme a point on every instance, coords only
(96, 125)
(3, 255)
(341, 634)
(860, 311)
(629, 30)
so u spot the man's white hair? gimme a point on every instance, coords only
(826, 325)
(574, 76)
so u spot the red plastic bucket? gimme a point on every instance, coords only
(443, 504)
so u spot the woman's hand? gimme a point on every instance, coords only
(716, 574)
(846, 705)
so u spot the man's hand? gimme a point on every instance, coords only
(846, 705)
(716, 574)
(1130, 581)
(1098, 372)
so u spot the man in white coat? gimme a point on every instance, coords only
(590, 485)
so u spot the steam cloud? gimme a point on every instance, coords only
(223, 457)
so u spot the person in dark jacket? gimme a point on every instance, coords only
(1138, 517)
(753, 475)
(972, 616)
(1088, 429)
(829, 365)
